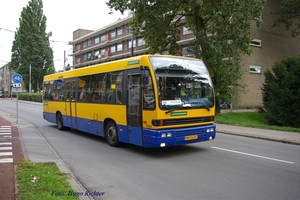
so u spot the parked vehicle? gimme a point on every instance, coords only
(224, 105)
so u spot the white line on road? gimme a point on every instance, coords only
(253, 155)
(6, 160)
(5, 143)
(6, 154)
(5, 148)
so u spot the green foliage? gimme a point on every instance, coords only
(35, 97)
(250, 119)
(31, 45)
(42, 181)
(281, 93)
(222, 30)
(289, 15)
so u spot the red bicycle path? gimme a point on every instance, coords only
(8, 188)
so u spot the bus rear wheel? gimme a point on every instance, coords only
(59, 122)
(111, 134)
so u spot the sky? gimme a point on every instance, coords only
(63, 18)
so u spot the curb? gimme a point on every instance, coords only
(259, 137)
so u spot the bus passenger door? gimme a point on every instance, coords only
(134, 107)
(71, 103)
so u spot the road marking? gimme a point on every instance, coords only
(6, 160)
(6, 154)
(5, 148)
(5, 133)
(253, 155)
(5, 126)
(5, 143)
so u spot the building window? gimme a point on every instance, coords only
(129, 43)
(113, 34)
(187, 52)
(102, 39)
(186, 31)
(120, 47)
(89, 57)
(141, 42)
(96, 54)
(120, 31)
(102, 52)
(89, 42)
(112, 49)
(97, 40)
(85, 44)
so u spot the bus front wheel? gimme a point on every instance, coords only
(111, 134)
(59, 122)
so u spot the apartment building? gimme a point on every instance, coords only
(115, 41)
(5, 79)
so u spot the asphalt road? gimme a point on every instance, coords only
(229, 167)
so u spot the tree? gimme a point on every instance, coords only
(221, 29)
(289, 15)
(281, 93)
(31, 47)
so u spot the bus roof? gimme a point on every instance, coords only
(127, 63)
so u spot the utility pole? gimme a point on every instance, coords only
(64, 60)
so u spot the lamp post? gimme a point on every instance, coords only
(132, 36)
(44, 63)
(1, 84)
(30, 78)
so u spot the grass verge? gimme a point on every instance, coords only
(42, 181)
(249, 119)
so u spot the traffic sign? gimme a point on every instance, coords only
(17, 78)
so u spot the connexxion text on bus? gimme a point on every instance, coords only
(151, 101)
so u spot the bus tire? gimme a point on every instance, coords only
(59, 122)
(111, 134)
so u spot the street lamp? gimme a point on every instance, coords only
(30, 78)
(132, 36)
(30, 73)
(1, 84)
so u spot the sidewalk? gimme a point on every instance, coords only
(26, 142)
(273, 135)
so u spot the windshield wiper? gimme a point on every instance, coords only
(204, 105)
(173, 109)
(201, 104)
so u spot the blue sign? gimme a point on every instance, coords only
(17, 78)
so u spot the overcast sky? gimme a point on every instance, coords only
(63, 17)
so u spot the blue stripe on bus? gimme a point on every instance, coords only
(88, 126)
(152, 138)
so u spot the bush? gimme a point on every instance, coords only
(281, 93)
(36, 97)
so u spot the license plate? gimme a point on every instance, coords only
(191, 137)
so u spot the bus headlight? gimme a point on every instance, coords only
(169, 134)
(210, 130)
(164, 135)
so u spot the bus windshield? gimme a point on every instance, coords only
(182, 83)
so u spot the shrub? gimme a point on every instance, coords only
(281, 93)
(36, 97)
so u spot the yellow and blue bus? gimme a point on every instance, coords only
(151, 101)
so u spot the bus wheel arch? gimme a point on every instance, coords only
(111, 132)
(59, 121)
